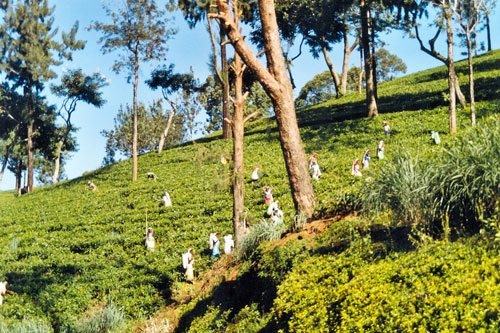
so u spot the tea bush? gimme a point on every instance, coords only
(443, 288)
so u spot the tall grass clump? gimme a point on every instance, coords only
(263, 231)
(108, 319)
(468, 178)
(458, 190)
(402, 186)
(26, 326)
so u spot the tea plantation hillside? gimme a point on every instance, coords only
(71, 255)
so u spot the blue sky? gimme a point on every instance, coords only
(189, 48)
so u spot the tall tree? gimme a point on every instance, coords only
(365, 19)
(486, 8)
(75, 87)
(151, 124)
(30, 51)
(467, 13)
(277, 84)
(174, 87)
(443, 8)
(194, 12)
(139, 29)
(319, 89)
(388, 65)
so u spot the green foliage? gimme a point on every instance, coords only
(388, 65)
(319, 89)
(443, 288)
(26, 326)
(151, 123)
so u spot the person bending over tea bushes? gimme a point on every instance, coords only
(150, 240)
(355, 169)
(366, 159)
(188, 264)
(316, 171)
(228, 244)
(91, 186)
(268, 194)
(255, 175)
(3, 290)
(214, 243)
(152, 176)
(166, 200)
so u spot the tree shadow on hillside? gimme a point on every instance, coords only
(232, 295)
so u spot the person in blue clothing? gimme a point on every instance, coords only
(215, 246)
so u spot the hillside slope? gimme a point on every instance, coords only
(68, 252)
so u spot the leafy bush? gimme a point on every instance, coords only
(446, 287)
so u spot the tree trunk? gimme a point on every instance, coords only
(361, 72)
(452, 118)
(165, 131)
(374, 58)
(347, 53)
(275, 81)
(4, 164)
(371, 101)
(238, 163)
(57, 162)
(18, 176)
(471, 81)
(134, 139)
(31, 120)
(226, 107)
(488, 33)
(333, 72)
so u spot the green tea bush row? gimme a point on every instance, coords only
(443, 288)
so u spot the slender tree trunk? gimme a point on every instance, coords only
(57, 162)
(365, 41)
(471, 81)
(361, 71)
(31, 120)
(238, 164)
(275, 81)
(134, 139)
(347, 54)
(165, 131)
(488, 32)
(333, 72)
(4, 163)
(374, 57)
(226, 107)
(451, 75)
(18, 176)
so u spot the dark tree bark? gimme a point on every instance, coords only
(18, 176)
(134, 139)
(275, 81)
(371, 101)
(488, 32)
(31, 163)
(4, 163)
